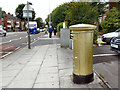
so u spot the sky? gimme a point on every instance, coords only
(41, 7)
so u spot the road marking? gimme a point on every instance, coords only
(7, 47)
(11, 40)
(99, 55)
(9, 53)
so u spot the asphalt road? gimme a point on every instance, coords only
(106, 63)
(16, 40)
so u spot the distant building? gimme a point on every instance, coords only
(107, 8)
(11, 23)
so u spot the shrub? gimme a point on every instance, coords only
(112, 21)
(59, 26)
(95, 36)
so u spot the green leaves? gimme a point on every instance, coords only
(112, 21)
(19, 12)
(39, 22)
(82, 12)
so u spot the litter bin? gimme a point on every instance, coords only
(82, 53)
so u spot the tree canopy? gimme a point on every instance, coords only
(59, 14)
(39, 22)
(76, 12)
(112, 21)
(19, 12)
(82, 12)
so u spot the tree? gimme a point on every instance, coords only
(19, 12)
(101, 10)
(59, 14)
(3, 12)
(82, 12)
(39, 22)
(112, 21)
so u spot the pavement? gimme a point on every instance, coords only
(44, 66)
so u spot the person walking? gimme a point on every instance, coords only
(50, 31)
(55, 31)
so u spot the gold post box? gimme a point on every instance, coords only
(82, 53)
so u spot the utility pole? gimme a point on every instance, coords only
(29, 47)
(49, 16)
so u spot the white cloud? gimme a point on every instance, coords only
(41, 7)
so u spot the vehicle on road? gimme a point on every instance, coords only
(108, 37)
(41, 30)
(115, 44)
(32, 27)
(2, 31)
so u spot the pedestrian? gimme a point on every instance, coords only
(55, 31)
(50, 31)
(46, 31)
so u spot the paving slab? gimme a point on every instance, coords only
(47, 85)
(45, 66)
(47, 78)
(21, 84)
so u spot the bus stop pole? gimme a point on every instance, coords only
(29, 47)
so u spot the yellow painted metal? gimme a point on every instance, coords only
(82, 48)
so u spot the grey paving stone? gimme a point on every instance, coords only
(0, 66)
(15, 67)
(31, 68)
(49, 64)
(64, 60)
(6, 81)
(46, 85)
(47, 78)
(21, 84)
(65, 65)
(0, 81)
(26, 75)
(65, 72)
(34, 63)
(48, 70)
(9, 73)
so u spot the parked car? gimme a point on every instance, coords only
(2, 31)
(41, 30)
(115, 44)
(108, 37)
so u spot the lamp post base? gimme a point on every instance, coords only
(83, 79)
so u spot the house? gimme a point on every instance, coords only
(107, 8)
(11, 23)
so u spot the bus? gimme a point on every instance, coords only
(32, 27)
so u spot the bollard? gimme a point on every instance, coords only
(82, 53)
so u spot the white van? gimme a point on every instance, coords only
(2, 31)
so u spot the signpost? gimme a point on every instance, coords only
(27, 13)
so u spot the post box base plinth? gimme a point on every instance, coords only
(82, 79)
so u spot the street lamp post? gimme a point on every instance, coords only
(50, 23)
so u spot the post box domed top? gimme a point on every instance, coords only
(82, 27)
